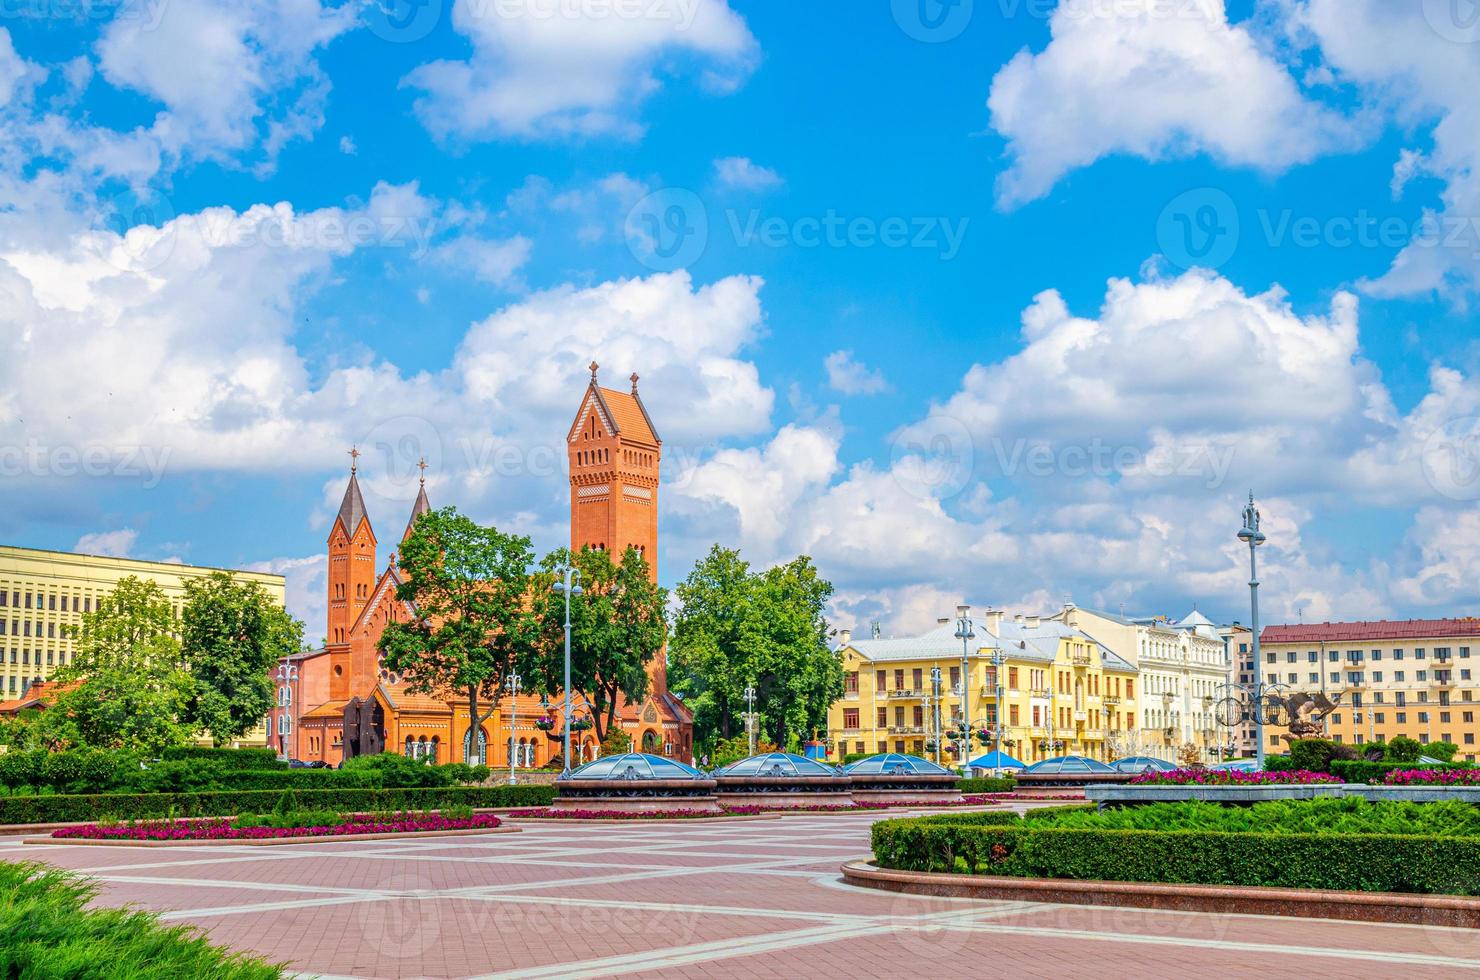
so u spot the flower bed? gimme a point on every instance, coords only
(1432, 777)
(1232, 777)
(226, 829)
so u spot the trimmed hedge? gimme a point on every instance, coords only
(137, 806)
(1347, 862)
(987, 784)
(229, 758)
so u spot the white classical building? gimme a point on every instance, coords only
(1184, 669)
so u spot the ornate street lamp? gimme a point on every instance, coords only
(1253, 537)
(569, 585)
(513, 685)
(965, 633)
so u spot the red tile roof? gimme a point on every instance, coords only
(1382, 629)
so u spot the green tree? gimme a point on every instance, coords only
(129, 705)
(231, 634)
(133, 623)
(617, 626)
(474, 626)
(737, 628)
(126, 686)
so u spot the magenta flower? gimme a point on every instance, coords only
(1232, 777)
(222, 828)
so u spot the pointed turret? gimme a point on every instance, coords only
(351, 573)
(422, 505)
(352, 508)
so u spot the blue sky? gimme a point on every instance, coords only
(1001, 299)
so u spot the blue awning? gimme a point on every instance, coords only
(996, 759)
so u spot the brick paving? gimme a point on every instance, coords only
(756, 898)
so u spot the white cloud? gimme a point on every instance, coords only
(1411, 62)
(307, 588)
(490, 260)
(744, 174)
(229, 75)
(850, 377)
(1156, 80)
(114, 544)
(573, 69)
(12, 69)
(347, 146)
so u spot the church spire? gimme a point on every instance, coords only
(422, 505)
(352, 510)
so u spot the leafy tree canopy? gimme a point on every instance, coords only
(617, 627)
(737, 628)
(473, 626)
(232, 633)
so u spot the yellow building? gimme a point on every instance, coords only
(42, 593)
(1060, 692)
(1417, 678)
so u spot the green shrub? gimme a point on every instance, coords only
(1441, 750)
(292, 818)
(21, 768)
(174, 776)
(63, 808)
(47, 929)
(852, 757)
(1315, 754)
(1279, 763)
(1362, 771)
(394, 769)
(987, 784)
(1406, 862)
(1403, 749)
(1332, 815)
(229, 758)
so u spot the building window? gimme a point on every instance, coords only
(883, 719)
(850, 682)
(850, 719)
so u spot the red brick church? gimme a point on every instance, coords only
(342, 702)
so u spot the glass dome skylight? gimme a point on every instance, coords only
(782, 764)
(635, 765)
(895, 764)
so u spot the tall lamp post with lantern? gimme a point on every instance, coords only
(965, 633)
(1253, 537)
(569, 585)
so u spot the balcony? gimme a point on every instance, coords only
(906, 729)
(915, 693)
(1081, 716)
(1081, 659)
(1111, 700)
(1042, 692)
(1442, 679)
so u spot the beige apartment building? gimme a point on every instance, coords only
(43, 593)
(1416, 678)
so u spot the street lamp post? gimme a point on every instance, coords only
(750, 717)
(998, 660)
(965, 633)
(569, 585)
(1253, 537)
(936, 706)
(513, 686)
(287, 674)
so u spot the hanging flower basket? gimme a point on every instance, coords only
(580, 724)
(545, 724)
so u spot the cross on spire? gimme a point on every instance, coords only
(421, 464)
(633, 379)
(594, 367)
(354, 458)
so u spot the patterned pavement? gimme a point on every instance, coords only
(753, 898)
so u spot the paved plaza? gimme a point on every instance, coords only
(747, 898)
